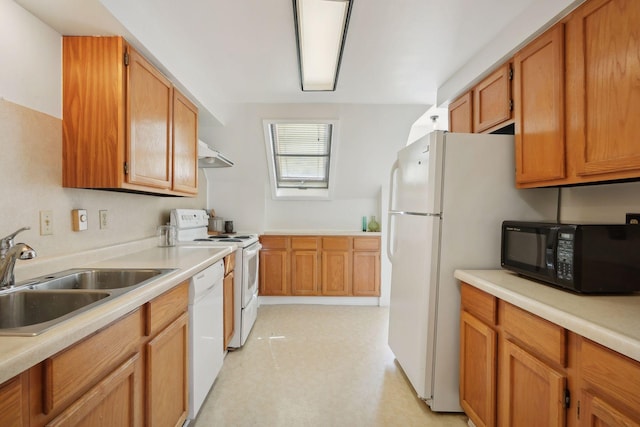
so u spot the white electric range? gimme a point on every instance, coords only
(192, 230)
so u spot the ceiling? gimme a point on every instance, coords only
(224, 51)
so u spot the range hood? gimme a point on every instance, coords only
(210, 158)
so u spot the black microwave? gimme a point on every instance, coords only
(586, 258)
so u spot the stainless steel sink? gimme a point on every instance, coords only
(96, 279)
(33, 306)
(30, 312)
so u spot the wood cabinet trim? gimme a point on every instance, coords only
(497, 86)
(479, 403)
(461, 114)
(539, 109)
(74, 414)
(546, 340)
(70, 372)
(165, 308)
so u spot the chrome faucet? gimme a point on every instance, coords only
(9, 253)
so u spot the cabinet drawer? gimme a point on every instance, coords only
(335, 243)
(229, 263)
(366, 243)
(166, 308)
(479, 303)
(77, 368)
(539, 336)
(304, 243)
(274, 242)
(610, 372)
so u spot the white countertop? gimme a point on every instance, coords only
(322, 233)
(613, 321)
(20, 353)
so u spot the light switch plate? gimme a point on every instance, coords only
(79, 219)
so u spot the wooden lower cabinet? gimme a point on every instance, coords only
(274, 266)
(609, 387)
(167, 377)
(478, 346)
(132, 372)
(545, 375)
(530, 392)
(336, 266)
(111, 402)
(304, 266)
(365, 278)
(14, 400)
(319, 266)
(228, 303)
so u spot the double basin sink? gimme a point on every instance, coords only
(36, 305)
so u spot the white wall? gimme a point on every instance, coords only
(31, 54)
(370, 136)
(31, 160)
(605, 203)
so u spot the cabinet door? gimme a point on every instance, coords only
(335, 273)
(274, 274)
(603, 69)
(149, 99)
(304, 272)
(539, 109)
(185, 144)
(229, 315)
(167, 381)
(93, 111)
(492, 100)
(595, 412)
(461, 114)
(530, 392)
(14, 399)
(478, 343)
(111, 402)
(366, 273)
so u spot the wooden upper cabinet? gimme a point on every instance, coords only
(185, 144)
(149, 99)
(492, 100)
(461, 114)
(603, 71)
(538, 92)
(118, 122)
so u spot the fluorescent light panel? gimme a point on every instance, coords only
(321, 27)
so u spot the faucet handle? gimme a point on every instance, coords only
(7, 242)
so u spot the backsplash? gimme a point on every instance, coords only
(604, 203)
(31, 181)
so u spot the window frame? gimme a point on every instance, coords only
(298, 193)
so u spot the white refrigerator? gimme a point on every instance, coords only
(449, 194)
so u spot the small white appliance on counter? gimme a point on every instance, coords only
(449, 194)
(192, 230)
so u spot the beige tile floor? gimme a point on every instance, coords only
(308, 365)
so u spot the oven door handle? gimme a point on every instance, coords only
(253, 250)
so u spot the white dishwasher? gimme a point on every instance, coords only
(206, 333)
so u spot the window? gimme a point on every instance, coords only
(300, 156)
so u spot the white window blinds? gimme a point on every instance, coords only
(301, 154)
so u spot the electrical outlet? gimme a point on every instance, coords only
(103, 219)
(633, 218)
(46, 223)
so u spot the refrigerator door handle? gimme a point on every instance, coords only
(392, 186)
(415, 213)
(391, 235)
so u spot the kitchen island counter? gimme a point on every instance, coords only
(20, 353)
(610, 320)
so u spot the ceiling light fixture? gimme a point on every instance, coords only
(321, 29)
